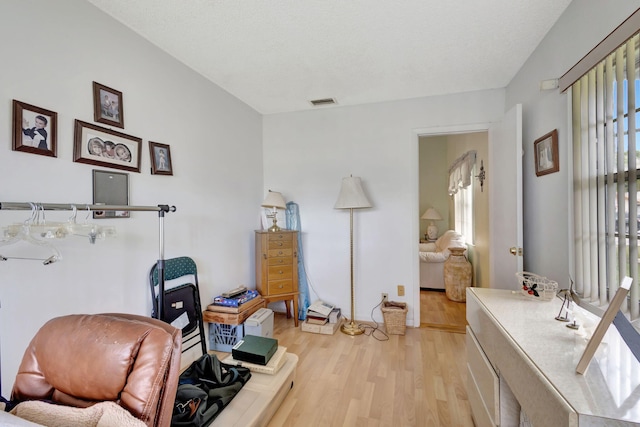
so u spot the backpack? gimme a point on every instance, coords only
(205, 388)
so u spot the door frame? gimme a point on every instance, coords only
(415, 199)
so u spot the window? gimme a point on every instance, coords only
(463, 212)
(460, 188)
(606, 159)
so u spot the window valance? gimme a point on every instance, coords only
(460, 172)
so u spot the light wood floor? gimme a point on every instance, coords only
(438, 312)
(416, 379)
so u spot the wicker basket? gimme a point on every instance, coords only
(395, 317)
(537, 287)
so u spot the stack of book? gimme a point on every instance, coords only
(320, 313)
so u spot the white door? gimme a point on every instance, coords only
(504, 179)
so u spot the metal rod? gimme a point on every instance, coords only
(69, 206)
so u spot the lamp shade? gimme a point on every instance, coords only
(432, 214)
(274, 200)
(351, 195)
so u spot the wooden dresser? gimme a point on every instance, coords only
(277, 268)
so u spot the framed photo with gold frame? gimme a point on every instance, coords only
(546, 153)
(34, 129)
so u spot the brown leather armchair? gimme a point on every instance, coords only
(79, 360)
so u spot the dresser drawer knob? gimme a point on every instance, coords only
(281, 286)
(279, 243)
(280, 253)
(280, 272)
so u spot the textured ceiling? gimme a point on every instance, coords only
(277, 55)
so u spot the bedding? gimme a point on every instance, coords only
(432, 257)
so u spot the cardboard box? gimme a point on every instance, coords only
(326, 329)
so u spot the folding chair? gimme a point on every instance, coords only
(181, 302)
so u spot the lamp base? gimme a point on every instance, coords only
(351, 329)
(275, 226)
(432, 231)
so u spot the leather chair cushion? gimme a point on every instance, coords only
(78, 360)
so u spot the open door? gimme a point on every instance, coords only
(504, 179)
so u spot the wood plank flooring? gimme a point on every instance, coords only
(438, 312)
(416, 379)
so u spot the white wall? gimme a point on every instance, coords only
(51, 52)
(306, 154)
(547, 209)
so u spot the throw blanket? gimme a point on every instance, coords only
(102, 414)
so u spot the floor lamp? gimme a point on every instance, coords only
(351, 197)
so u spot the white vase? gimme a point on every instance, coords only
(457, 275)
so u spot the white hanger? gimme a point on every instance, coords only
(22, 233)
(92, 231)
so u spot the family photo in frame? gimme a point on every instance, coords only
(546, 153)
(100, 146)
(34, 129)
(160, 159)
(107, 105)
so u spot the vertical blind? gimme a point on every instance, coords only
(605, 176)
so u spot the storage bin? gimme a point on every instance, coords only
(395, 317)
(223, 337)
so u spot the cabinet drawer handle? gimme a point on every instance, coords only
(280, 287)
(279, 243)
(280, 272)
(280, 253)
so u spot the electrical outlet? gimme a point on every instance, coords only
(385, 297)
(400, 290)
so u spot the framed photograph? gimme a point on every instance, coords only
(110, 188)
(99, 146)
(603, 325)
(160, 159)
(546, 152)
(107, 105)
(34, 129)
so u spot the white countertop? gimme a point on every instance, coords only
(610, 388)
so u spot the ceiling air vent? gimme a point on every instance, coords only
(325, 101)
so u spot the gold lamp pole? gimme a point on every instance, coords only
(351, 197)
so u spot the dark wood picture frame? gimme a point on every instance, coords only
(110, 188)
(161, 163)
(107, 105)
(100, 146)
(546, 153)
(34, 129)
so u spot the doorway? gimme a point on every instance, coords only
(436, 152)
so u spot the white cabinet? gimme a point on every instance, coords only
(520, 357)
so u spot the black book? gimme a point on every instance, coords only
(254, 349)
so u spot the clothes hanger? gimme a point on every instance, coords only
(92, 231)
(23, 234)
